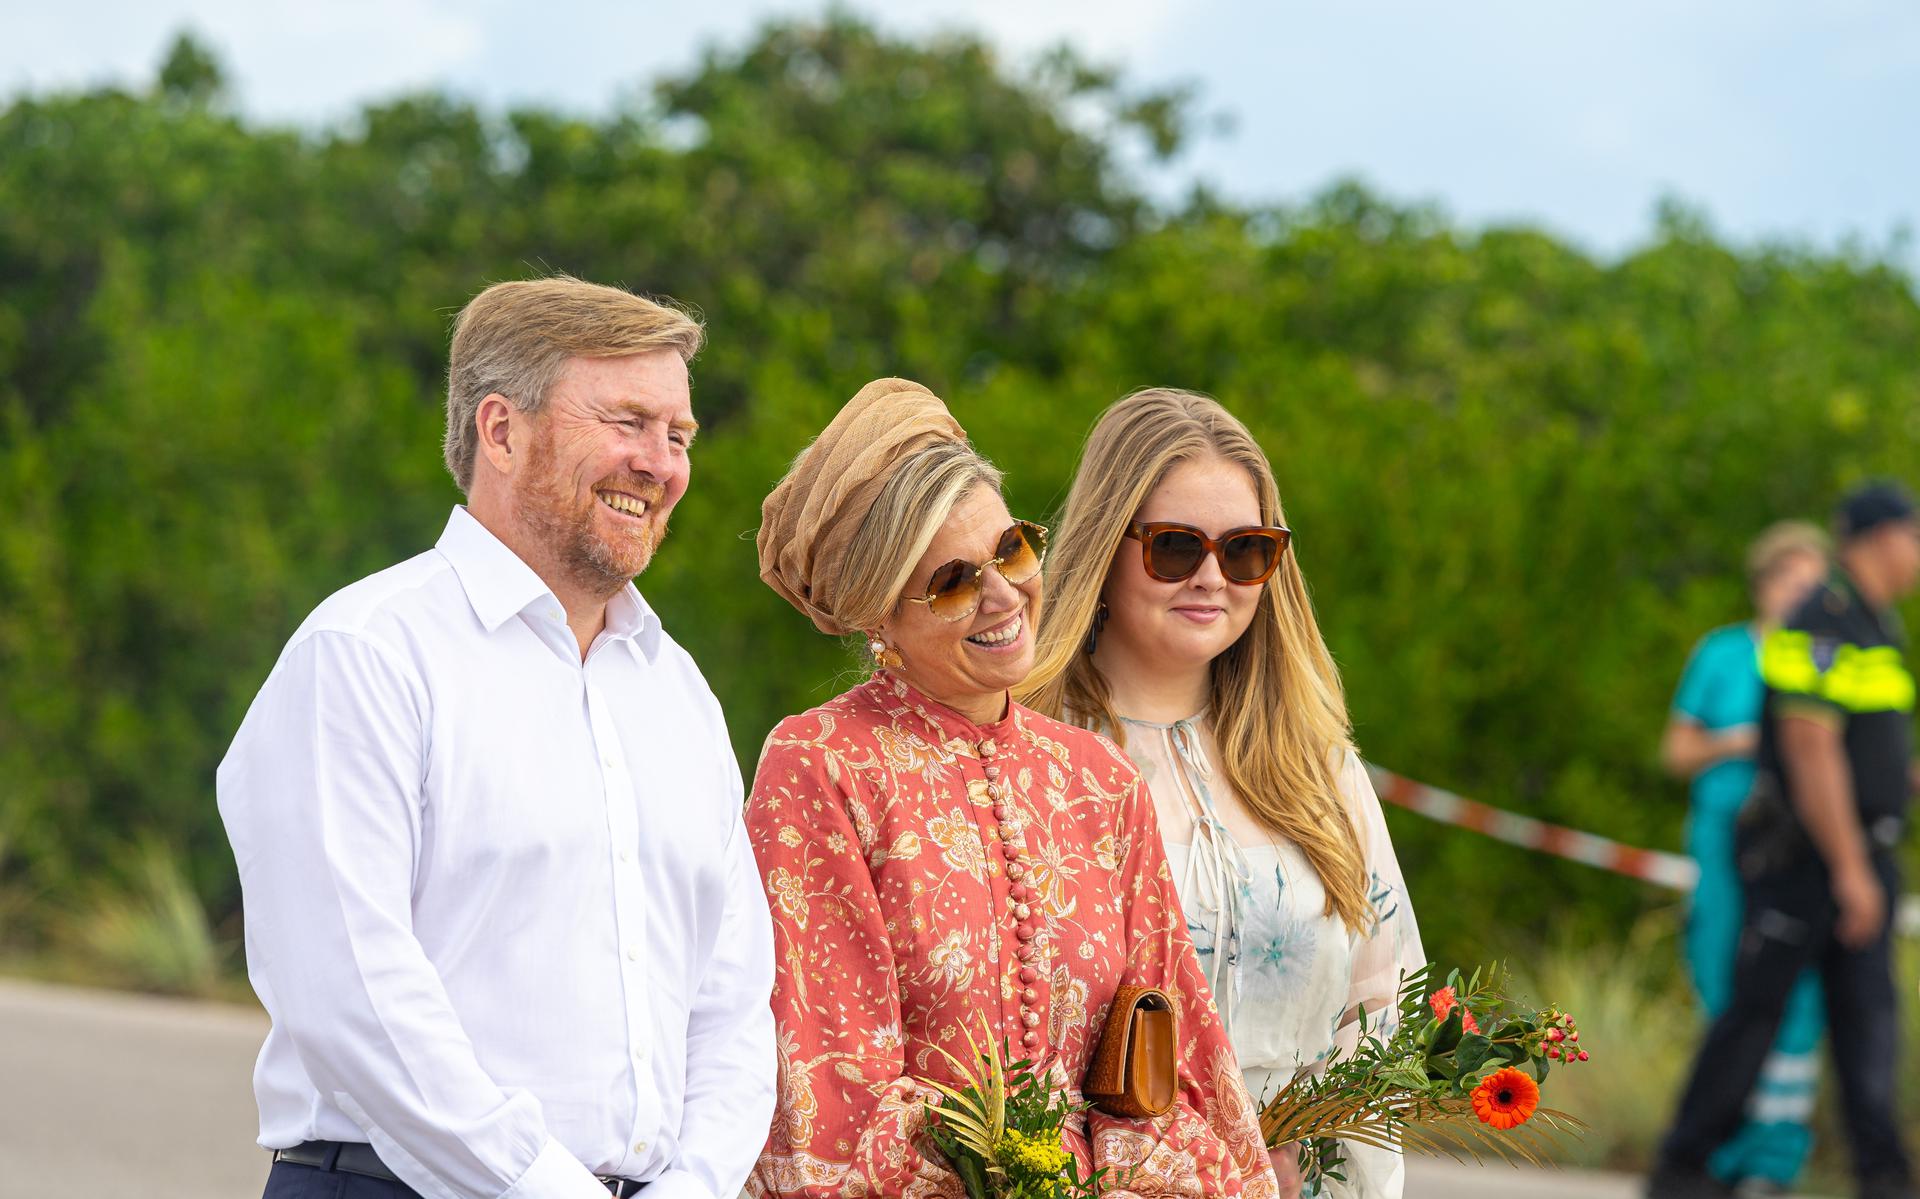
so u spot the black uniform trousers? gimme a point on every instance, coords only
(1789, 926)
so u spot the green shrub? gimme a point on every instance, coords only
(146, 928)
(1520, 477)
(1640, 1025)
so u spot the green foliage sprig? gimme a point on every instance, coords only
(1457, 1075)
(1002, 1127)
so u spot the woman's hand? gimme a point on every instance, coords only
(1286, 1168)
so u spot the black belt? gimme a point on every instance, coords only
(358, 1157)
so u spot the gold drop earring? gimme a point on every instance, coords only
(884, 655)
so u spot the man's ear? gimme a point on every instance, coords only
(493, 421)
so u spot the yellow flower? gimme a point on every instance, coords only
(1031, 1154)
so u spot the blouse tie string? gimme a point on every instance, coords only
(1217, 868)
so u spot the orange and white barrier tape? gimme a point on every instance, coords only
(1650, 865)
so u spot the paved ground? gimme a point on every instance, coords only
(167, 1083)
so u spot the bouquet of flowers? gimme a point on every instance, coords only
(1001, 1129)
(1460, 1074)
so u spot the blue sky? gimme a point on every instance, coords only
(1781, 120)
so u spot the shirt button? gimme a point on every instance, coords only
(1015, 870)
(639, 1146)
(1021, 911)
(633, 955)
(1028, 974)
(1024, 932)
(1030, 1019)
(993, 772)
(988, 749)
(640, 1054)
(623, 855)
(1030, 1038)
(1030, 995)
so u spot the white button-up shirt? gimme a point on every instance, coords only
(499, 901)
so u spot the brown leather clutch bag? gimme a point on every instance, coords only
(1133, 1072)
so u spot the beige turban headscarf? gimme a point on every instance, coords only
(810, 518)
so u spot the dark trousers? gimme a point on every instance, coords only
(1789, 927)
(289, 1181)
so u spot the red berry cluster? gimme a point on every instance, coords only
(1563, 1038)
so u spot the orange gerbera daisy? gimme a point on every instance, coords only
(1506, 1098)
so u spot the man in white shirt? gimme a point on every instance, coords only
(499, 900)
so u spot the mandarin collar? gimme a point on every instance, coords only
(953, 729)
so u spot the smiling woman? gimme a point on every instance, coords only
(964, 633)
(1182, 627)
(938, 856)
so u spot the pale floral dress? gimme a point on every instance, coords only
(1285, 975)
(930, 876)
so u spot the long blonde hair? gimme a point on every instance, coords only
(1279, 712)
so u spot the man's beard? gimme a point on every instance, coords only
(591, 562)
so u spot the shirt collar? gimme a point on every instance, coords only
(1886, 620)
(1840, 580)
(630, 618)
(500, 585)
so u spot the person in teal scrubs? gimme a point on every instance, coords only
(1711, 738)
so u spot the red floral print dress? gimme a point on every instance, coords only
(929, 877)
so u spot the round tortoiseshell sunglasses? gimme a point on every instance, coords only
(953, 590)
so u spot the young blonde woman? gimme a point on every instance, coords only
(1178, 624)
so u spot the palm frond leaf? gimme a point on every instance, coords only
(1409, 1121)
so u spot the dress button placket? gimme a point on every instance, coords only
(1019, 895)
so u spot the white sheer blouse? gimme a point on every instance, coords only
(1286, 977)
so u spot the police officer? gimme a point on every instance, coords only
(1816, 845)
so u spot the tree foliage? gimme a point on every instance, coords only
(1520, 477)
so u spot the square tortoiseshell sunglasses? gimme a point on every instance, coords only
(953, 591)
(1173, 552)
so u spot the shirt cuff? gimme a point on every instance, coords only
(677, 1184)
(556, 1174)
